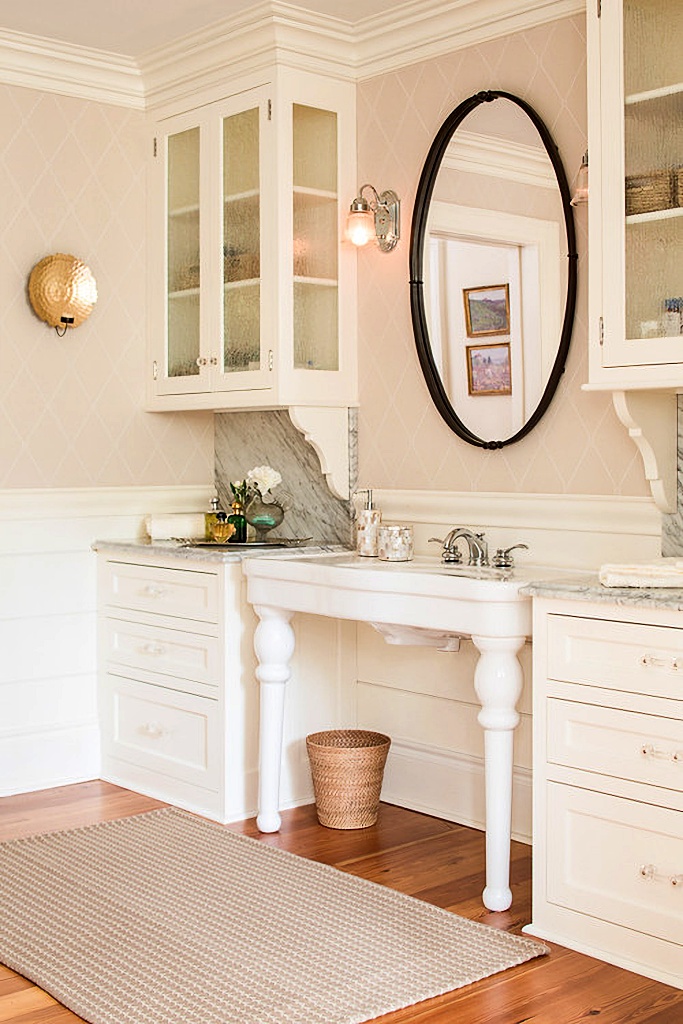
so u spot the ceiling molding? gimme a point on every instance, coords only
(500, 158)
(70, 70)
(232, 50)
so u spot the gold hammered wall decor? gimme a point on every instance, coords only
(62, 291)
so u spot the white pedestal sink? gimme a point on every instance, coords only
(424, 595)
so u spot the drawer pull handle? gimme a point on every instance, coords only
(647, 750)
(152, 591)
(649, 873)
(153, 730)
(651, 661)
(153, 649)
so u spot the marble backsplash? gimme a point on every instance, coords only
(672, 525)
(243, 440)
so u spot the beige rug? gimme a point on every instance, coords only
(165, 918)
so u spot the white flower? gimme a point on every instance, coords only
(263, 478)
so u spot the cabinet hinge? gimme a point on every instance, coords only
(599, 6)
(155, 370)
(270, 110)
(601, 331)
(270, 359)
(155, 147)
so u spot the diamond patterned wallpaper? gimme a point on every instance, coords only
(579, 447)
(72, 176)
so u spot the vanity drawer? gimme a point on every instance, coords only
(621, 744)
(184, 593)
(615, 860)
(172, 652)
(616, 655)
(174, 734)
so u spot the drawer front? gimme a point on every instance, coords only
(170, 652)
(173, 733)
(622, 744)
(616, 655)
(180, 592)
(616, 860)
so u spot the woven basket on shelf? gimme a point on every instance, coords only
(347, 766)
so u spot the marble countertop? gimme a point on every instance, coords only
(187, 553)
(591, 589)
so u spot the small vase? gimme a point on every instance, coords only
(263, 516)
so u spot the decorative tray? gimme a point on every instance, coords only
(276, 542)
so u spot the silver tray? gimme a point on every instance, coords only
(276, 542)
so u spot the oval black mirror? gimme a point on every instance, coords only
(493, 269)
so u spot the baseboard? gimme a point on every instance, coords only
(451, 786)
(44, 759)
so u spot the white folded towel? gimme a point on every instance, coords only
(663, 572)
(183, 525)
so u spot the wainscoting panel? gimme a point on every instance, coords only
(49, 733)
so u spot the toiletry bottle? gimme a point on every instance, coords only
(210, 518)
(367, 528)
(239, 522)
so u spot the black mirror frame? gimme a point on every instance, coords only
(423, 198)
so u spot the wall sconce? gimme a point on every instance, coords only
(62, 291)
(581, 185)
(378, 217)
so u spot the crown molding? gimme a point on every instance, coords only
(426, 29)
(69, 70)
(209, 61)
(500, 158)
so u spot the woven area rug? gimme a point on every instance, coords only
(165, 918)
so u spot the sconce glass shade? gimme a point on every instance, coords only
(580, 193)
(360, 225)
(378, 218)
(62, 290)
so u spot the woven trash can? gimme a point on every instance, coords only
(347, 766)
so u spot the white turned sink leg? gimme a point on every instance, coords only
(498, 684)
(274, 646)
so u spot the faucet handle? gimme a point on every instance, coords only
(449, 553)
(503, 558)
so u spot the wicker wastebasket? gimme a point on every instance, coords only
(347, 766)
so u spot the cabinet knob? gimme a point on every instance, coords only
(152, 649)
(151, 591)
(201, 360)
(153, 730)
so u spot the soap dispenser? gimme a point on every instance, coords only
(211, 518)
(367, 528)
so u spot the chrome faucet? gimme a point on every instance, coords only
(477, 546)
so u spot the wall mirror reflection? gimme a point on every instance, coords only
(493, 260)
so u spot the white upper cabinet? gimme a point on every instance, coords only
(636, 193)
(252, 287)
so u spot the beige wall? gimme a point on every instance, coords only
(72, 179)
(579, 447)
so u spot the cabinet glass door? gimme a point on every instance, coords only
(183, 263)
(315, 242)
(653, 170)
(241, 243)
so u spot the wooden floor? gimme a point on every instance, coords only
(434, 860)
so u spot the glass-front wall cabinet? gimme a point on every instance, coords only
(248, 311)
(642, 182)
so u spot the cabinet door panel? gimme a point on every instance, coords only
(615, 860)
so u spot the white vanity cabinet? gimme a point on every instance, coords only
(608, 783)
(174, 701)
(636, 191)
(252, 289)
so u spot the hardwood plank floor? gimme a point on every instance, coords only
(431, 859)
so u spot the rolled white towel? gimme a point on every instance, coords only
(663, 572)
(183, 525)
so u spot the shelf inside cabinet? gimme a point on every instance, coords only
(185, 211)
(183, 293)
(663, 93)
(325, 282)
(247, 282)
(653, 215)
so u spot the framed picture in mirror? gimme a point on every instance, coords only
(487, 310)
(488, 369)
